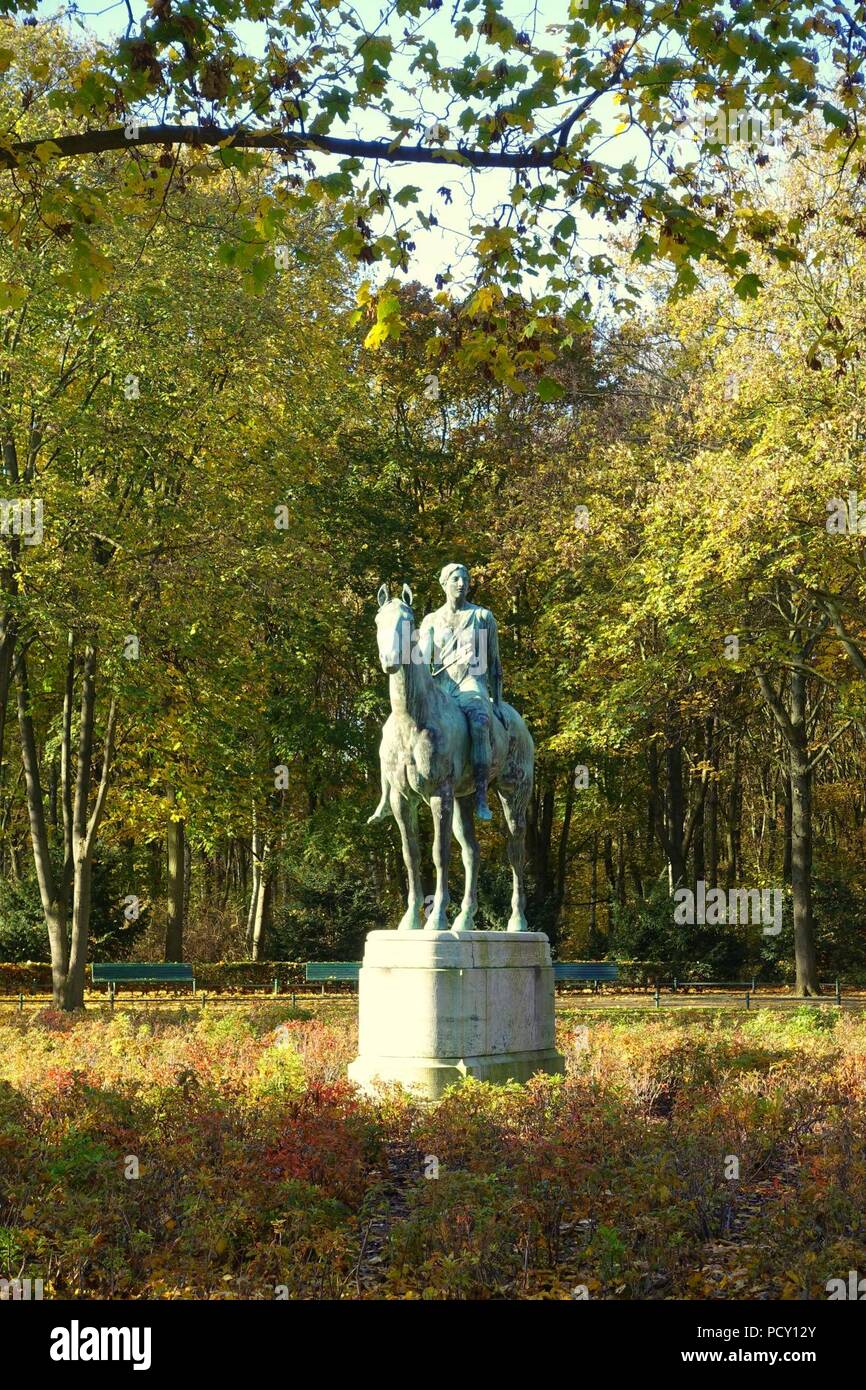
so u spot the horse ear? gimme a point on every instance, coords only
(407, 596)
(382, 595)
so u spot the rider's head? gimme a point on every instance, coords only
(455, 581)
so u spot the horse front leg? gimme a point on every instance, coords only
(464, 829)
(442, 808)
(405, 814)
(515, 824)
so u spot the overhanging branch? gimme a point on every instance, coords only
(287, 143)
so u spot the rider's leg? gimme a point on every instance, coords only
(479, 725)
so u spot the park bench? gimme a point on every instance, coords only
(594, 972)
(321, 971)
(748, 987)
(698, 985)
(128, 972)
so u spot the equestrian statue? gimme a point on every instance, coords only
(449, 736)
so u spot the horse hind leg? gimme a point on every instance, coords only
(515, 828)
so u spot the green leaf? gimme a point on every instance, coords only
(11, 295)
(549, 389)
(645, 249)
(833, 116)
(747, 286)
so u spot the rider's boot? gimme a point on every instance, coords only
(481, 769)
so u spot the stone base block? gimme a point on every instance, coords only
(436, 1007)
(431, 1076)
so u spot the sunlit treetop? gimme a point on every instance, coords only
(619, 114)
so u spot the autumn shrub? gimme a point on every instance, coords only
(328, 1137)
(460, 1238)
(181, 1153)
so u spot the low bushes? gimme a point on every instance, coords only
(190, 1155)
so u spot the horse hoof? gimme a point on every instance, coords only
(410, 921)
(437, 922)
(463, 921)
(518, 924)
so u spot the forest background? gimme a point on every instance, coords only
(663, 515)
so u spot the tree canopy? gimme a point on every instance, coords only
(618, 113)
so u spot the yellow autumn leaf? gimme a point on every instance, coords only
(377, 335)
(483, 300)
(47, 149)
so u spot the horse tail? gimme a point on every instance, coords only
(383, 810)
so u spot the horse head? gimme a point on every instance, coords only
(395, 629)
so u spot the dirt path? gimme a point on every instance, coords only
(403, 1170)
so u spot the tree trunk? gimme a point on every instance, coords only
(68, 956)
(51, 891)
(732, 831)
(675, 805)
(699, 867)
(562, 858)
(801, 842)
(261, 921)
(793, 725)
(84, 827)
(711, 823)
(788, 827)
(257, 881)
(593, 896)
(175, 861)
(634, 866)
(540, 829)
(610, 872)
(73, 997)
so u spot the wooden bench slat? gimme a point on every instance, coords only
(119, 972)
(332, 970)
(592, 971)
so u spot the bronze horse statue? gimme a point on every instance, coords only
(425, 755)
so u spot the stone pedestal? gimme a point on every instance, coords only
(436, 1007)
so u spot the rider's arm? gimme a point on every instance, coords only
(494, 665)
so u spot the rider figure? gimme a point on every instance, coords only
(461, 640)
